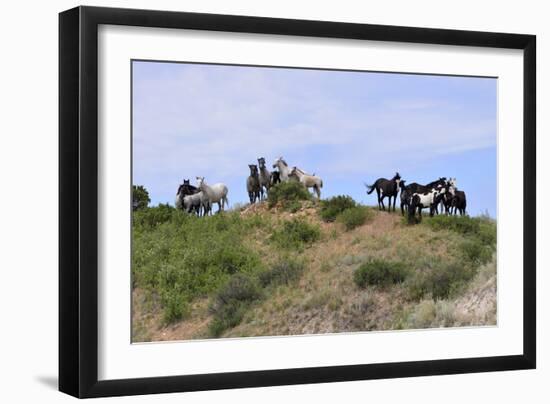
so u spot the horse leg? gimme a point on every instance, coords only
(317, 191)
(394, 200)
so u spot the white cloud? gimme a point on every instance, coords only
(215, 121)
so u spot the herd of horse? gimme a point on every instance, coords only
(199, 199)
(414, 197)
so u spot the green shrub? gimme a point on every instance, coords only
(354, 217)
(487, 232)
(459, 224)
(332, 207)
(476, 251)
(289, 194)
(379, 272)
(480, 236)
(283, 272)
(175, 307)
(140, 197)
(231, 302)
(153, 216)
(187, 257)
(439, 281)
(482, 227)
(292, 206)
(295, 234)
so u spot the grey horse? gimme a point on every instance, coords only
(264, 177)
(253, 184)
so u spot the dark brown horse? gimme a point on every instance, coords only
(459, 203)
(253, 186)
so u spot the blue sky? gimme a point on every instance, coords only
(347, 127)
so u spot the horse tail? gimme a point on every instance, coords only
(370, 188)
(320, 183)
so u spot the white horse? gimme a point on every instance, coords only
(284, 170)
(308, 181)
(452, 185)
(216, 193)
(195, 203)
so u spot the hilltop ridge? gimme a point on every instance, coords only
(293, 268)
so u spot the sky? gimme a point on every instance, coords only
(192, 120)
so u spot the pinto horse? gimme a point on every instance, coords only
(422, 200)
(419, 188)
(385, 188)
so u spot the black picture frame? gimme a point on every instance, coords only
(78, 201)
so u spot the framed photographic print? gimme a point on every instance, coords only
(250, 201)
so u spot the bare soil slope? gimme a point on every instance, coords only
(326, 299)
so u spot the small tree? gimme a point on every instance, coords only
(140, 197)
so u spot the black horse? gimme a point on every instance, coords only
(459, 203)
(406, 195)
(416, 187)
(275, 177)
(187, 189)
(385, 188)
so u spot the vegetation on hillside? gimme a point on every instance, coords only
(140, 197)
(294, 266)
(288, 195)
(334, 206)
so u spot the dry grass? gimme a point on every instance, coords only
(325, 298)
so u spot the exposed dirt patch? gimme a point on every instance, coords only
(325, 299)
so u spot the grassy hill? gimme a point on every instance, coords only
(293, 266)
